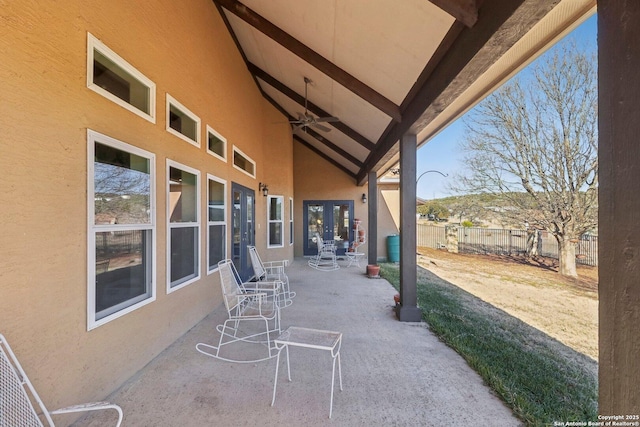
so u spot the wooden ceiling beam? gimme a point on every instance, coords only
(290, 93)
(324, 156)
(321, 139)
(465, 11)
(310, 56)
(463, 55)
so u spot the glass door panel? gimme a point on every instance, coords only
(332, 219)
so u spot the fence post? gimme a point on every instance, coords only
(452, 238)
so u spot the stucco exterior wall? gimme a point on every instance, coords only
(388, 215)
(317, 179)
(45, 111)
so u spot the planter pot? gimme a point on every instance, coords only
(396, 299)
(373, 270)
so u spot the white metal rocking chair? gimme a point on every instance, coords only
(326, 259)
(257, 308)
(272, 270)
(20, 404)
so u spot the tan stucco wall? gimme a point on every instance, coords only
(317, 179)
(388, 215)
(45, 112)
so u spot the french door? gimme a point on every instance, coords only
(332, 219)
(243, 231)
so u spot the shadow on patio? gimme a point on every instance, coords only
(393, 373)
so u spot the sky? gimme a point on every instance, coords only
(443, 154)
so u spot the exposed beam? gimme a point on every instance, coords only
(327, 143)
(465, 11)
(276, 84)
(501, 24)
(321, 139)
(309, 55)
(324, 156)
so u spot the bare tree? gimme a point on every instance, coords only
(533, 143)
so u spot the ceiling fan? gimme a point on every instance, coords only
(308, 120)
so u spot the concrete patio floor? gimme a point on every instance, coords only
(394, 373)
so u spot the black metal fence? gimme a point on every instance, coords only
(505, 242)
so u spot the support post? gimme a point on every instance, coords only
(408, 310)
(373, 218)
(619, 204)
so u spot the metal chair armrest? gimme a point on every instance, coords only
(94, 406)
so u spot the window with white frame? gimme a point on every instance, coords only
(290, 221)
(114, 78)
(216, 144)
(121, 228)
(183, 213)
(275, 219)
(243, 162)
(181, 122)
(216, 221)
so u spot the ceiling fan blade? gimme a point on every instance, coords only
(321, 127)
(327, 119)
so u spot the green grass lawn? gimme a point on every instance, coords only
(539, 378)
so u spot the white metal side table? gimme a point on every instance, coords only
(310, 338)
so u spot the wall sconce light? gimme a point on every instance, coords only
(263, 187)
(364, 198)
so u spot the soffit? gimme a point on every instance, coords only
(382, 67)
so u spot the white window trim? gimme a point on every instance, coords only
(273, 221)
(172, 101)
(92, 138)
(236, 149)
(210, 130)
(94, 44)
(291, 221)
(170, 225)
(213, 269)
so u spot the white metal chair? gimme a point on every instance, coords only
(326, 259)
(256, 310)
(269, 271)
(20, 404)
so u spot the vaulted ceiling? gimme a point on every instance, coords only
(387, 67)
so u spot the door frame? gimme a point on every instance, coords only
(247, 230)
(310, 251)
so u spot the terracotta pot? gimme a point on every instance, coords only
(373, 270)
(396, 298)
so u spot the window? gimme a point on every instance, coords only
(216, 144)
(182, 123)
(114, 78)
(276, 221)
(217, 222)
(183, 212)
(242, 162)
(121, 228)
(290, 221)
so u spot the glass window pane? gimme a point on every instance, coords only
(183, 196)
(123, 270)
(115, 80)
(216, 201)
(216, 145)
(184, 249)
(217, 245)
(275, 234)
(182, 123)
(122, 187)
(275, 208)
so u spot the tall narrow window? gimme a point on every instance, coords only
(217, 222)
(182, 123)
(243, 162)
(216, 144)
(275, 219)
(121, 250)
(114, 78)
(290, 221)
(183, 212)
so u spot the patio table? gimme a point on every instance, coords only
(309, 338)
